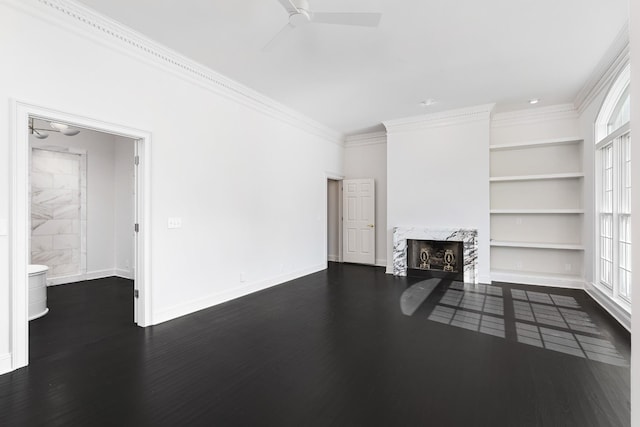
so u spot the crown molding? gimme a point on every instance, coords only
(444, 118)
(614, 60)
(363, 139)
(534, 115)
(82, 20)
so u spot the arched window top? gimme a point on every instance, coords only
(615, 111)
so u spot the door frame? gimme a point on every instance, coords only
(330, 176)
(19, 212)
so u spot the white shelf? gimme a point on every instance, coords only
(570, 175)
(536, 211)
(533, 144)
(541, 279)
(537, 245)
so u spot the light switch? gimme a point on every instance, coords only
(4, 227)
(174, 223)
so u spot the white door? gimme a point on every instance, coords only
(358, 221)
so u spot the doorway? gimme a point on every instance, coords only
(20, 211)
(334, 220)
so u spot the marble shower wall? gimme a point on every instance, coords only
(58, 210)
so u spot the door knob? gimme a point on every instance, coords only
(370, 225)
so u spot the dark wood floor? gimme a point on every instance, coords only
(332, 348)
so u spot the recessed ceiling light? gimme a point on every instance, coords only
(534, 101)
(428, 102)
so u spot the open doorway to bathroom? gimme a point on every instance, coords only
(334, 219)
(79, 208)
(82, 199)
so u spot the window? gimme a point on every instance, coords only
(613, 202)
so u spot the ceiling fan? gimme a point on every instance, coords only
(299, 14)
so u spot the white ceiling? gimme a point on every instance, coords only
(461, 53)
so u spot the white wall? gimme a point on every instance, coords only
(123, 206)
(247, 176)
(438, 175)
(333, 220)
(365, 156)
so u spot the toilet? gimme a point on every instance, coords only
(37, 291)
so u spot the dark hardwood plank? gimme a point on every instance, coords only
(332, 348)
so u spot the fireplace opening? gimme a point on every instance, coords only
(435, 258)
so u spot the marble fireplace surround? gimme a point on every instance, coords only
(468, 237)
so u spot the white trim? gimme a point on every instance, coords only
(614, 60)
(534, 115)
(230, 294)
(76, 17)
(548, 280)
(19, 234)
(5, 363)
(19, 209)
(125, 274)
(444, 118)
(333, 258)
(90, 275)
(609, 305)
(485, 280)
(381, 262)
(364, 139)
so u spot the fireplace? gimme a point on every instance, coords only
(464, 258)
(435, 258)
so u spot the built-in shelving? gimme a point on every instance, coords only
(537, 278)
(534, 144)
(537, 245)
(536, 211)
(536, 193)
(571, 175)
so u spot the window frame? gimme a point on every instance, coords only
(607, 138)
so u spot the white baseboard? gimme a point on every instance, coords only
(333, 258)
(617, 312)
(486, 280)
(125, 274)
(91, 275)
(537, 280)
(6, 364)
(381, 262)
(198, 304)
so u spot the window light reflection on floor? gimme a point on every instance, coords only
(542, 320)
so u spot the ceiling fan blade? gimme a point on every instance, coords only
(359, 19)
(289, 6)
(278, 38)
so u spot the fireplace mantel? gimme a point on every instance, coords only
(469, 237)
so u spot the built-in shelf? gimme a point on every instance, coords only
(532, 144)
(537, 245)
(537, 177)
(536, 211)
(537, 278)
(537, 181)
